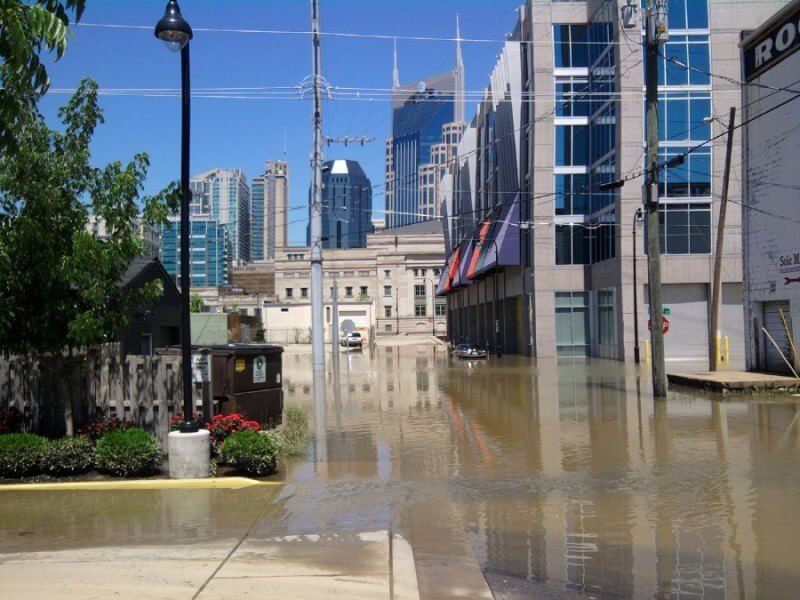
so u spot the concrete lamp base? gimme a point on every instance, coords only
(189, 454)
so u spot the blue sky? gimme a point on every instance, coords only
(239, 133)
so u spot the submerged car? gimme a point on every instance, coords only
(351, 340)
(470, 351)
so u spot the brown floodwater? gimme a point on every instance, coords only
(563, 472)
(567, 472)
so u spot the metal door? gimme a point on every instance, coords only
(773, 323)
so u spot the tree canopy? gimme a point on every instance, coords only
(26, 30)
(60, 283)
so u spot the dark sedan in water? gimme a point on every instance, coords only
(470, 351)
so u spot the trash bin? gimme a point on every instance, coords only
(247, 379)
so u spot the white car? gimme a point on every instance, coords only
(351, 340)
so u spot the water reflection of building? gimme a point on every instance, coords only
(387, 384)
(612, 493)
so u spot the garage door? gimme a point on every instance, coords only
(688, 321)
(773, 323)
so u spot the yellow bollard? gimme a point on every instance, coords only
(719, 350)
(727, 350)
(647, 351)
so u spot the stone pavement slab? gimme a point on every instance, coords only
(157, 571)
(339, 565)
(739, 381)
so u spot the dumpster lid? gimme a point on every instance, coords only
(238, 349)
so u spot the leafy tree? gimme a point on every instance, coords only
(26, 30)
(259, 335)
(60, 284)
(196, 303)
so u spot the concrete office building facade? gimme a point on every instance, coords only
(771, 225)
(563, 114)
(269, 206)
(150, 235)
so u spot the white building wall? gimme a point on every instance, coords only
(772, 216)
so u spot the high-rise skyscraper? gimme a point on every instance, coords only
(269, 207)
(346, 205)
(224, 195)
(420, 113)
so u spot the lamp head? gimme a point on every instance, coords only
(173, 29)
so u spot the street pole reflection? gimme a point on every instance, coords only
(320, 420)
(337, 391)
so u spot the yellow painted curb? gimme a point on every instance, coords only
(225, 483)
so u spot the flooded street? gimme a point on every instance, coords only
(544, 478)
(563, 472)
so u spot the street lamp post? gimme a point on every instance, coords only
(637, 216)
(175, 32)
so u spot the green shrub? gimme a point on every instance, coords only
(294, 433)
(252, 452)
(128, 453)
(68, 456)
(21, 454)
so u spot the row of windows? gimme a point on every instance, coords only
(572, 145)
(580, 45)
(681, 116)
(688, 14)
(692, 179)
(685, 228)
(574, 196)
(682, 51)
(580, 245)
(420, 310)
(363, 292)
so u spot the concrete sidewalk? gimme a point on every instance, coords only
(341, 565)
(733, 381)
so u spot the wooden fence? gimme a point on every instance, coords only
(144, 390)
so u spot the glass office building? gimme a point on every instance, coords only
(346, 205)
(209, 256)
(258, 219)
(418, 116)
(224, 195)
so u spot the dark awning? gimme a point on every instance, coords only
(440, 287)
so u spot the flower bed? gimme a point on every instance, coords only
(112, 447)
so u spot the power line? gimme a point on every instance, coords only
(343, 34)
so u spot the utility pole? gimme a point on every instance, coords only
(636, 355)
(317, 321)
(657, 34)
(716, 289)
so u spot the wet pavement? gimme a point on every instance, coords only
(545, 479)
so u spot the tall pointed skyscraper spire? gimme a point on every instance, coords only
(459, 76)
(396, 71)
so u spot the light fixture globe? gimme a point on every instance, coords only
(173, 29)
